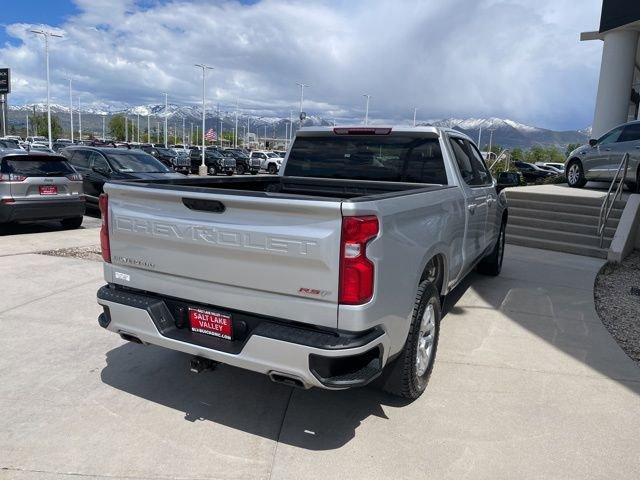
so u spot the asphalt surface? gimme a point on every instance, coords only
(528, 384)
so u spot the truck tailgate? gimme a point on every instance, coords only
(256, 253)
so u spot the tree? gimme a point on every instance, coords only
(117, 129)
(517, 155)
(570, 148)
(38, 122)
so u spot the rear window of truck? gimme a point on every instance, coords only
(393, 158)
(29, 167)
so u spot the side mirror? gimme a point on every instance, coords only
(593, 142)
(508, 179)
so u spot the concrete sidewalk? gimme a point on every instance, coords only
(527, 384)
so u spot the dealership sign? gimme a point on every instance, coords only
(5, 80)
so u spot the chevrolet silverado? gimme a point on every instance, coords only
(329, 275)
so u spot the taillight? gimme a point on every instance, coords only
(356, 270)
(75, 177)
(103, 202)
(362, 131)
(12, 177)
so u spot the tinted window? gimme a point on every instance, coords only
(97, 161)
(610, 137)
(80, 159)
(463, 160)
(479, 167)
(630, 133)
(42, 167)
(9, 144)
(136, 162)
(392, 158)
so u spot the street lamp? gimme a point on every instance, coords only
(46, 34)
(79, 120)
(166, 118)
(104, 116)
(235, 135)
(301, 85)
(415, 112)
(148, 128)
(366, 111)
(202, 170)
(71, 109)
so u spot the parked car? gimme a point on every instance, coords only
(216, 163)
(40, 147)
(169, 157)
(10, 143)
(60, 144)
(549, 168)
(37, 139)
(268, 161)
(243, 163)
(599, 161)
(330, 281)
(98, 165)
(532, 172)
(559, 166)
(39, 186)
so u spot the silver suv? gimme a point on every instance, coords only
(39, 186)
(599, 161)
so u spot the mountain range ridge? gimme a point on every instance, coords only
(505, 132)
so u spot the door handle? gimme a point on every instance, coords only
(472, 208)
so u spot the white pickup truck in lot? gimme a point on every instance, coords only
(329, 275)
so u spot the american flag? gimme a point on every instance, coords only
(211, 135)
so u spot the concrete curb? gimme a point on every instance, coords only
(626, 236)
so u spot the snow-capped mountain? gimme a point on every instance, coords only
(510, 134)
(504, 132)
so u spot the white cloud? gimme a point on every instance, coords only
(508, 58)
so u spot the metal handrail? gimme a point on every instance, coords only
(505, 153)
(608, 204)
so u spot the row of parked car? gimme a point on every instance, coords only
(40, 184)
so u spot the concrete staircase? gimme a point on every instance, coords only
(560, 222)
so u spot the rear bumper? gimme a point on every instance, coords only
(332, 360)
(42, 209)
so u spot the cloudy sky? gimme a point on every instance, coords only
(518, 59)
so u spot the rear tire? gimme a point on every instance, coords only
(408, 375)
(492, 263)
(72, 223)
(575, 174)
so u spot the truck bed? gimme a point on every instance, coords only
(289, 187)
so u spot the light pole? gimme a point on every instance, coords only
(27, 126)
(138, 127)
(104, 116)
(415, 112)
(183, 133)
(71, 109)
(301, 85)
(79, 120)
(480, 137)
(202, 170)
(158, 133)
(366, 111)
(166, 118)
(126, 129)
(235, 135)
(148, 128)
(46, 34)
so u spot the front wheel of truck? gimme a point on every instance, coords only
(408, 375)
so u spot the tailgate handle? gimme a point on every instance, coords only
(213, 206)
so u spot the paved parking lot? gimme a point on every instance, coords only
(527, 384)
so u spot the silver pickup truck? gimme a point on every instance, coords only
(329, 275)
